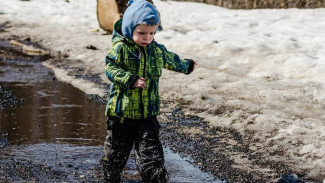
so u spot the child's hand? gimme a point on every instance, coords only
(192, 65)
(195, 64)
(140, 83)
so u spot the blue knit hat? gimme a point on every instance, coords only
(138, 12)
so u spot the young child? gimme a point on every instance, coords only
(134, 65)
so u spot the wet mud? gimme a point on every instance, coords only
(43, 103)
(53, 132)
(217, 151)
(45, 133)
(54, 162)
(213, 150)
(8, 99)
(69, 151)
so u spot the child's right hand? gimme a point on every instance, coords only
(140, 83)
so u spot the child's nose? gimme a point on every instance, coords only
(146, 37)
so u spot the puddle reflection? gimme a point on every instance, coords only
(51, 112)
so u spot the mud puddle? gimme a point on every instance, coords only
(55, 133)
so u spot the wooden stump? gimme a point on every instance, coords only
(107, 14)
(109, 11)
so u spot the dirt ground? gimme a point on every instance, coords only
(222, 152)
(235, 150)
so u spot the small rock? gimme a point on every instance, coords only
(3, 139)
(290, 178)
(65, 55)
(91, 47)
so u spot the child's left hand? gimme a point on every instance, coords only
(195, 64)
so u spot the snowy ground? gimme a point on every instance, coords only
(261, 72)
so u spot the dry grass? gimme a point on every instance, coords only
(257, 4)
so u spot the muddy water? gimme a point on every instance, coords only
(56, 133)
(52, 111)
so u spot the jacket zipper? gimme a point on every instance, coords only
(144, 76)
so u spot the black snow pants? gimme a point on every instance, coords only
(144, 136)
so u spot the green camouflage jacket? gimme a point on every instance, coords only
(125, 63)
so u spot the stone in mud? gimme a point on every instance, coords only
(3, 139)
(91, 47)
(290, 178)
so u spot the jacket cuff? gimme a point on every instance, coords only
(132, 80)
(191, 66)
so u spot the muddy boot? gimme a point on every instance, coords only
(160, 176)
(110, 175)
(149, 152)
(155, 175)
(117, 147)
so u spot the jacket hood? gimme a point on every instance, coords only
(138, 12)
(119, 37)
(117, 33)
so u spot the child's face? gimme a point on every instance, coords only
(144, 34)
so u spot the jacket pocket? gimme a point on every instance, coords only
(155, 71)
(155, 67)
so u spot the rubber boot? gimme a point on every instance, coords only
(110, 176)
(157, 175)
